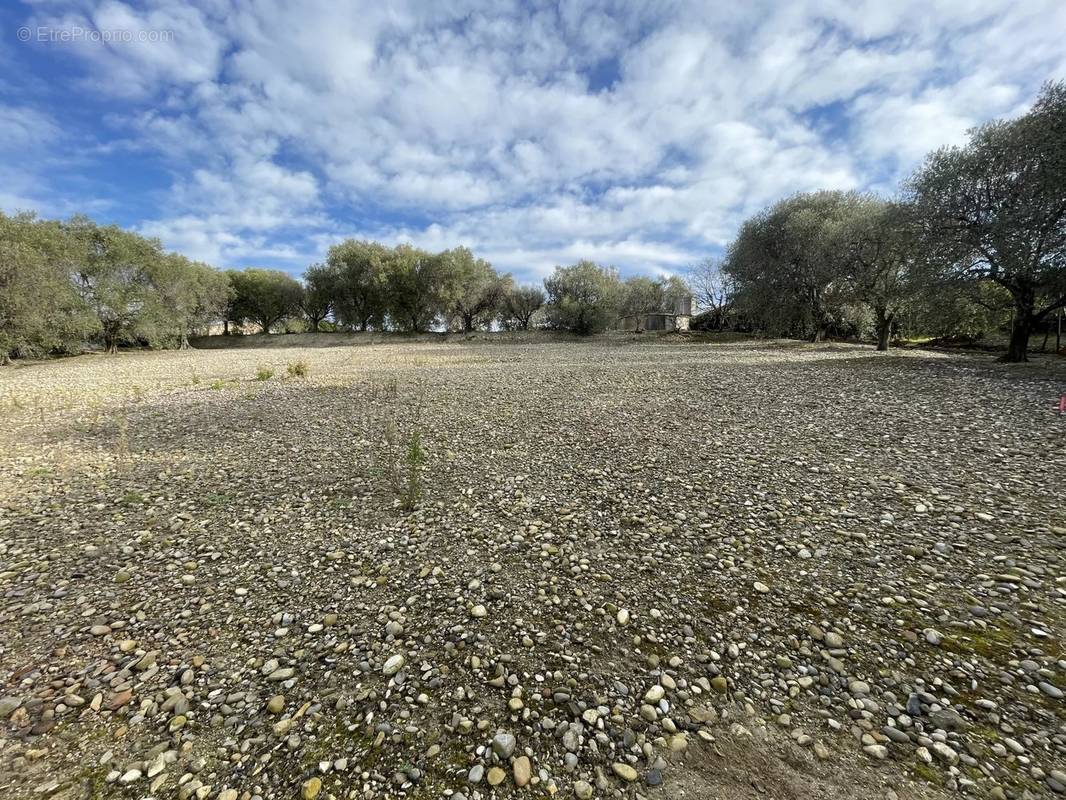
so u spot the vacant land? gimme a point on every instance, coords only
(424, 570)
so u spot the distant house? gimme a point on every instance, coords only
(675, 318)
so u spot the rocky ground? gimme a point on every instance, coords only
(586, 570)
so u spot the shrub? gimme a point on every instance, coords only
(298, 369)
(266, 373)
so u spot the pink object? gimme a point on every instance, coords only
(1062, 405)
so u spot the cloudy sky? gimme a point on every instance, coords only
(257, 132)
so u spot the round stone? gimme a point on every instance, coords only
(624, 771)
(522, 770)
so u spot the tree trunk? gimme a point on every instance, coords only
(818, 335)
(184, 342)
(110, 340)
(225, 327)
(1017, 351)
(884, 330)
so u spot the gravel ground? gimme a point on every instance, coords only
(660, 569)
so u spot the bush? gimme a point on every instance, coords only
(298, 369)
(264, 374)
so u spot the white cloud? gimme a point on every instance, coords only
(287, 125)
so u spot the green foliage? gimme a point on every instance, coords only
(583, 298)
(264, 374)
(994, 210)
(518, 306)
(186, 295)
(473, 289)
(960, 312)
(789, 264)
(642, 295)
(418, 286)
(320, 289)
(133, 499)
(360, 299)
(218, 384)
(62, 283)
(885, 263)
(113, 274)
(411, 493)
(264, 297)
(40, 311)
(298, 369)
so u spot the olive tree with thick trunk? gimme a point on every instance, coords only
(995, 209)
(883, 251)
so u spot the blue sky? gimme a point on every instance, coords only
(256, 133)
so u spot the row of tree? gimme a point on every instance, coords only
(976, 239)
(366, 285)
(66, 283)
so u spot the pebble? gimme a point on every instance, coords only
(393, 665)
(624, 771)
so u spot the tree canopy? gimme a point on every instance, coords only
(995, 209)
(584, 298)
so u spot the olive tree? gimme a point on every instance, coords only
(40, 311)
(263, 296)
(112, 272)
(360, 300)
(995, 209)
(475, 288)
(417, 287)
(789, 265)
(319, 293)
(519, 305)
(883, 252)
(583, 298)
(183, 295)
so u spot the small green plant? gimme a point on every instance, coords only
(298, 369)
(413, 460)
(133, 499)
(213, 499)
(194, 378)
(264, 374)
(218, 384)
